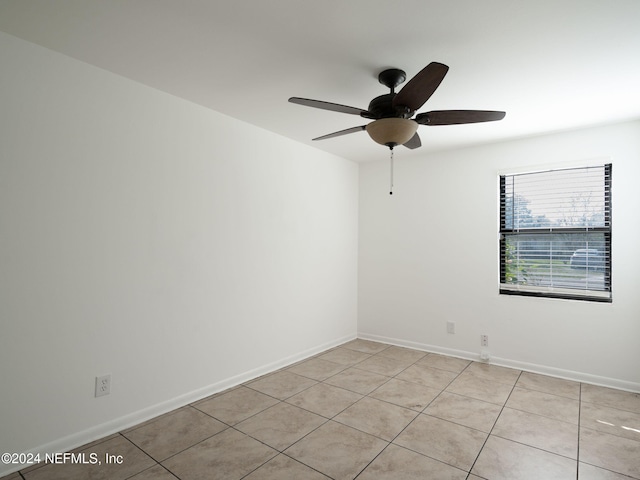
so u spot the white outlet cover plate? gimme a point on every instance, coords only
(103, 385)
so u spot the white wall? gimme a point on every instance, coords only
(429, 254)
(178, 249)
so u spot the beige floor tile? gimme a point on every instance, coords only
(344, 356)
(316, 369)
(480, 388)
(404, 354)
(357, 380)
(610, 420)
(282, 384)
(611, 452)
(157, 472)
(325, 400)
(229, 455)
(589, 472)
(382, 419)
(397, 463)
(465, 411)
(236, 405)
(365, 346)
(285, 468)
(447, 442)
(134, 461)
(537, 431)
(552, 406)
(502, 459)
(443, 362)
(494, 373)
(382, 365)
(546, 384)
(336, 450)
(281, 426)
(31, 467)
(406, 394)
(610, 397)
(174, 432)
(427, 376)
(12, 476)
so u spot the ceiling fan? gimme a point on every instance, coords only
(392, 113)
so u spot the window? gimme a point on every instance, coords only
(555, 233)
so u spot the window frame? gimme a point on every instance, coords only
(569, 293)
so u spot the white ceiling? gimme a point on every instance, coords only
(551, 65)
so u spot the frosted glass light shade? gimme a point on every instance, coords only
(392, 131)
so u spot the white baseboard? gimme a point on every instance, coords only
(116, 425)
(505, 362)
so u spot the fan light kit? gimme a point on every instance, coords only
(392, 131)
(392, 113)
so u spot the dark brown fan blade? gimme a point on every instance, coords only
(414, 142)
(421, 87)
(342, 132)
(457, 117)
(334, 107)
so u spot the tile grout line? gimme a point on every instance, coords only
(494, 423)
(417, 416)
(579, 428)
(390, 442)
(366, 395)
(327, 419)
(158, 462)
(421, 412)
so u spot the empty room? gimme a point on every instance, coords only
(319, 240)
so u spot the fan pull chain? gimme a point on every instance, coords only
(391, 185)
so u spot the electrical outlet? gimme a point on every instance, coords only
(451, 327)
(103, 385)
(484, 340)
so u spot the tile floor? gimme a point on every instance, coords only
(370, 411)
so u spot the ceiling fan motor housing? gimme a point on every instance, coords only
(382, 107)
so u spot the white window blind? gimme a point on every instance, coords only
(555, 233)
